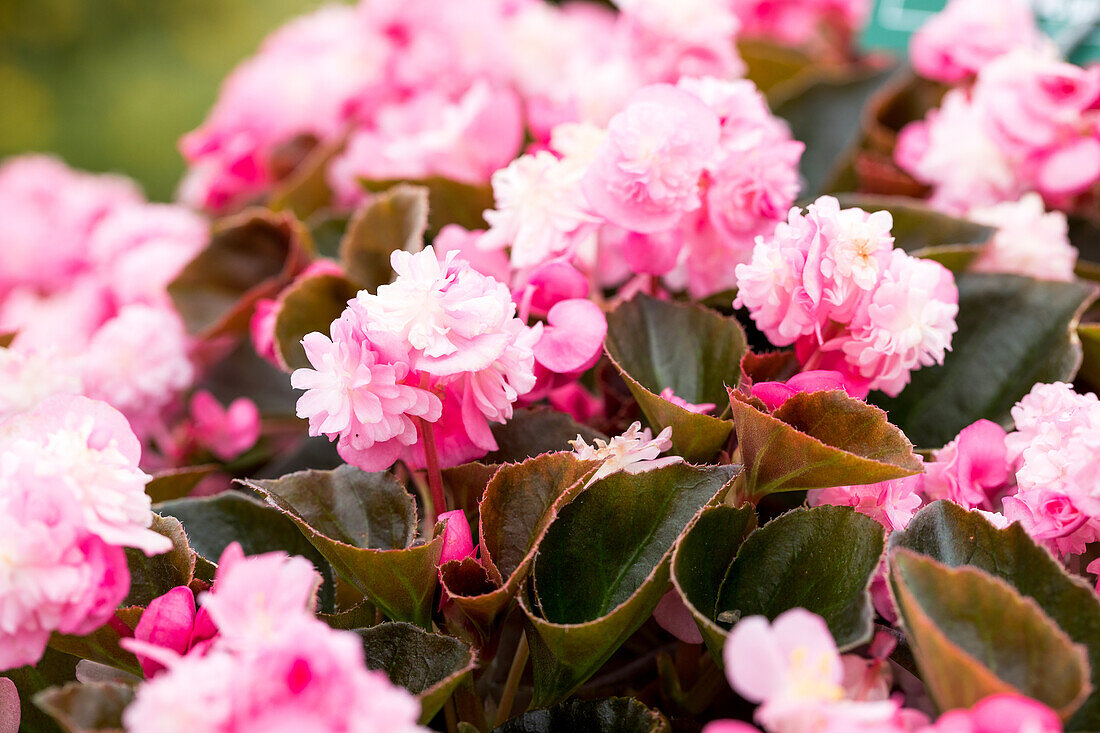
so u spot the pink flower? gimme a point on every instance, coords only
(965, 36)
(28, 376)
(890, 503)
(970, 467)
(458, 544)
(56, 575)
(225, 432)
(88, 448)
(668, 39)
(261, 327)
(171, 622)
(465, 245)
(1029, 241)
(674, 617)
(1004, 713)
(358, 390)
(774, 394)
(570, 343)
(702, 408)
(634, 451)
(798, 21)
(646, 174)
(9, 706)
(908, 323)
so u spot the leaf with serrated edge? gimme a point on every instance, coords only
(973, 635)
(956, 537)
(363, 524)
(391, 221)
(818, 440)
(152, 577)
(604, 564)
(429, 666)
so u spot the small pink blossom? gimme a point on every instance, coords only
(702, 408)
(634, 451)
(458, 544)
(1029, 241)
(572, 340)
(774, 394)
(674, 617)
(171, 622)
(965, 36)
(796, 22)
(890, 503)
(227, 432)
(1003, 713)
(646, 174)
(969, 468)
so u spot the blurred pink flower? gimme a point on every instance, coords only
(962, 38)
(1029, 241)
(9, 706)
(1004, 713)
(796, 22)
(969, 468)
(225, 432)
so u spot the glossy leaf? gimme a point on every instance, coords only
(593, 586)
(1013, 332)
(695, 351)
(973, 635)
(533, 431)
(251, 255)
(520, 502)
(86, 708)
(953, 536)
(702, 560)
(363, 524)
(449, 202)
(613, 715)
(211, 523)
(821, 559)
(152, 577)
(429, 666)
(306, 189)
(176, 483)
(818, 440)
(310, 304)
(393, 220)
(917, 226)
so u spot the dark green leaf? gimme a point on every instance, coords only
(917, 226)
(306, 189)
(211, 523)
(974, 635)
(821, 559)
(1013, 332)
(817, 440)
(310, 304)
(391, 221)
(594, 587)
(533, 431)
(614, 715)
(657, 344)
(102, 644)
(364, 525)
(152, 577)
(429, 666)
(774, 67)
(956, 537)
(449, 202)
(176, 483)
(86, 708)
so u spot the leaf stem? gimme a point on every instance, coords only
(515, 673)
(435, 476)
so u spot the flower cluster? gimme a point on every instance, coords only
(265, 662)
(71, 497)
(830, 282)
(84, 289)
(440, 345)
(1029, 123)
(419, 89)
(678, 184)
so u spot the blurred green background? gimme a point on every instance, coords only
(110, 85)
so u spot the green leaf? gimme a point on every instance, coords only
(776, 68)
(917, 226)
(176, 483)
(702, 560)
(817, 440)
(310, 304)
(251, 255)
(953, 536)
(657, 344)
(613, 715)
(86, 708)
(1089, 333)
(973, 635)
(363, 524)
(54, 668)
(429, 666)
(520, 502)
(211, 523)
(306, 190)
(1013, 332)
(594, 585)
(391, 221)
(102, 644)
(821, 559)
(533, 431)
(826, 115)
(152, 577)
(449, 202)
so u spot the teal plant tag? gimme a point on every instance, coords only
(1073, 24)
